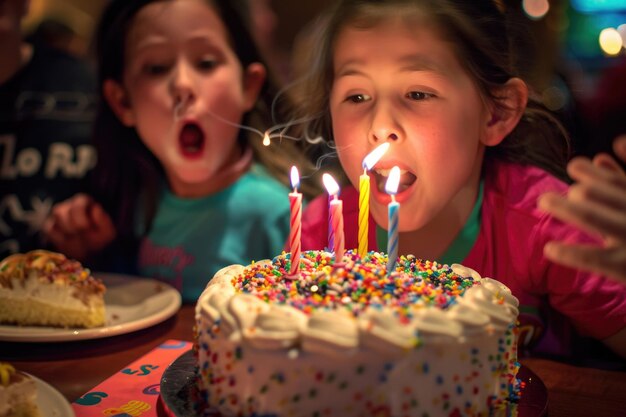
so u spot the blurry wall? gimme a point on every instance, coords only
(68, 24)
(560, 47)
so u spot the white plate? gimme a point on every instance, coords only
(51, 402)
(132, 303)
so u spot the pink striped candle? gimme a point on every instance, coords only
(331, 235)
(295, 241)
(336, 217)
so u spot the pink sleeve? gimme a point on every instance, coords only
(510, 248)
(595, 304)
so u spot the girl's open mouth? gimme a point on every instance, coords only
(380, 176)
(191, 140)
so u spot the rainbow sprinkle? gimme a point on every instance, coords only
(354, 284)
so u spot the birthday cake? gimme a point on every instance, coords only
(43, 288)
(18, 393)
(351, 340)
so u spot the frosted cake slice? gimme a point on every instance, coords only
(43, 288)
(18, 393)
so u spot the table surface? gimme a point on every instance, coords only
(74, 368)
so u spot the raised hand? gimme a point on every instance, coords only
(79, 227)
(596, 203)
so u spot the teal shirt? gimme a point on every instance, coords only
(191, 239)
(462, 244)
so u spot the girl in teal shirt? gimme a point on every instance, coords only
(179, 182)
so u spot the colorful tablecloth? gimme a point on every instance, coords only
(134, 390)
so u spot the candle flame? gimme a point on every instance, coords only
(373, 157)
(295, 177)
(266, 139)
(391, 186)
(331, 185)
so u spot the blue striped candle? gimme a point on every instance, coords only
(392, 236)
(393, 209)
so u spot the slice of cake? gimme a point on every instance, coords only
(43, 288)
(351, 340)
(18, 393)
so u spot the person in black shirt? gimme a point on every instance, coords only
(47, 103)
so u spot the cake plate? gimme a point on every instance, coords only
(178, 390)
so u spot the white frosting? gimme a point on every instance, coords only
(380, 330)
(228, 324)
(431, 321)
(245, 308)
(465, 271)
(278, 327)
(473, 321)
(502, 291)
(481, 298)
(486, 305)
(330, 332)
(53, 293)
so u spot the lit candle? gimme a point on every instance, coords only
(364, 195)
(391, 187)
(295, 203)
(336, 217)
(331, 236)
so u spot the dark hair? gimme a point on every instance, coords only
(480, 33)
(128, 175)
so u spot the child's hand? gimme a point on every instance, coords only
(597, 204)
(79, 227)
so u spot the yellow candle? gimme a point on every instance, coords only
(364, 196)
(364, 210)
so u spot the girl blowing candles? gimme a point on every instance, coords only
(177, 173)
(433, 78)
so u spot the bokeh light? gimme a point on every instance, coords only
(621, 29)
(535, 9)
(596, 6)
(610, 41)
(554, 98)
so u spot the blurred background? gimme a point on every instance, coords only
(574, 56)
